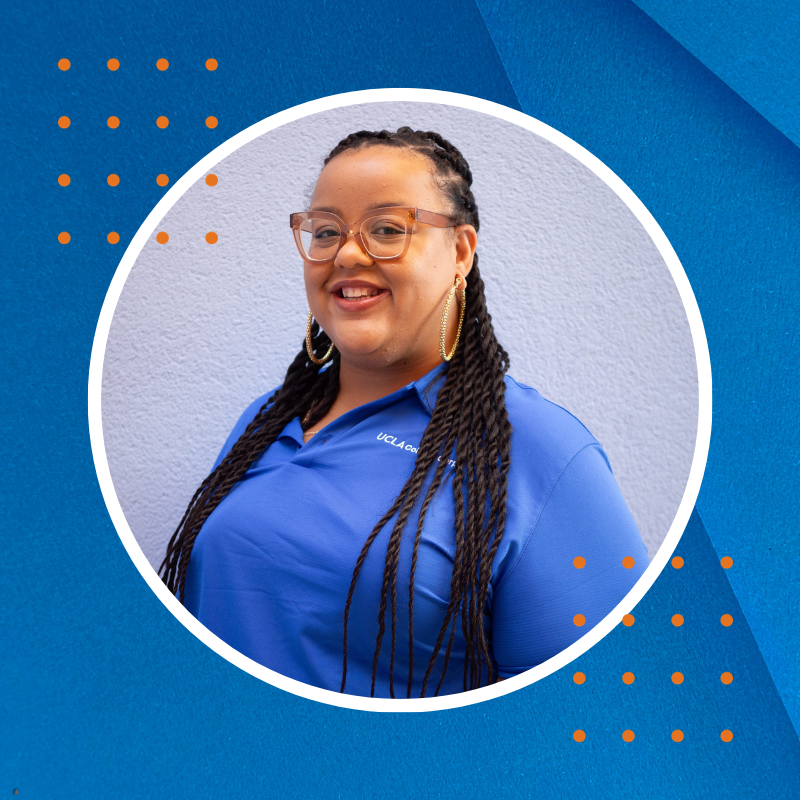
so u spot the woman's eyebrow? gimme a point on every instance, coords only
(383, 204)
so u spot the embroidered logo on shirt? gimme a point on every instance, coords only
(392, 440)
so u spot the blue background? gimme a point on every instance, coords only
(104, 693)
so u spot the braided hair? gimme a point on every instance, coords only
(469, 420)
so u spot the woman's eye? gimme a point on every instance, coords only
(326, 233)
(387, 228)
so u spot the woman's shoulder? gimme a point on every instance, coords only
(543, 427)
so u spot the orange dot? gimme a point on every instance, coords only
(113, 122)
(726, 620)
(63, 64)
(212, 180)
(212, 237)
(162, 122)
(579, 562)
(63, 122)
(579, 620)
(726, 736)
(211, 64)
(113, 64)
(113, 180)
(726, 678)
(677, 736)
(628, 562)
(726, 561)
(162, 179)
(677, 562)
(628, 677)
(677, 678)
(628, 620)
(579, 678)
(162, 237)
(628, 736)
(162, 64)
(212, 122)
(579, 736)
(677, 620)
(63, 180)
(64, 237)
(113, 237)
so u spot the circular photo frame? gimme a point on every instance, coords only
(586, 294)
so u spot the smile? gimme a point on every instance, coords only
(356, 292)
(354, 296)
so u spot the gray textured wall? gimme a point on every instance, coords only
(579, 294)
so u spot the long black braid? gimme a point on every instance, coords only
(469, 419)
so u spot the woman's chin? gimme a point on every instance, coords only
(371, 351)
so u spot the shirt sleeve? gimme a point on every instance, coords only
(537, 608)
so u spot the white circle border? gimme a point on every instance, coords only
(704, 388)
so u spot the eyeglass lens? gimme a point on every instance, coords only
(383, 236)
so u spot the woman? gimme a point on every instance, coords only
(399, 517)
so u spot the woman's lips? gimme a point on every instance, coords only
(359, 303)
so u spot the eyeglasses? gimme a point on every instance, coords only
(383, 233)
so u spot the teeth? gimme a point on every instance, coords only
(359, 291)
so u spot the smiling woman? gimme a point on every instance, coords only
(400, 516)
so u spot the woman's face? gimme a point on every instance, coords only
(400, 324)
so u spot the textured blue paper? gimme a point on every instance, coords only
(725, 187)
(104, 693)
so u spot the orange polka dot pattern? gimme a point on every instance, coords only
(113, 122)
(677, 562)
(677, 620)
(726, 620)
(726, 561)
(628, 620)
(726, 678)
(628, 736)
(677, 736)
(579, 678)
(579, 736)
(579, 620)
(726, 736)
(677, 678)
(628, 562)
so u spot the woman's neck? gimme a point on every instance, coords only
(359, 385)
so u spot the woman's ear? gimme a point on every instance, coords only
(466, 240)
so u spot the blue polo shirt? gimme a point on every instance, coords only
(271, 568)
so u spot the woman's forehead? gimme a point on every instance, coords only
(376, 174)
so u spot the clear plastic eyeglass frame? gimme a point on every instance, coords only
(407, 214)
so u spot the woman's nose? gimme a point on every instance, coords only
(352, 254)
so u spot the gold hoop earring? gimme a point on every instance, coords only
(310, 348)
(443, 331)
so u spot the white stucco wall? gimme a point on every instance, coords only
(579, 295)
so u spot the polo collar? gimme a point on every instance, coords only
(427, 387)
